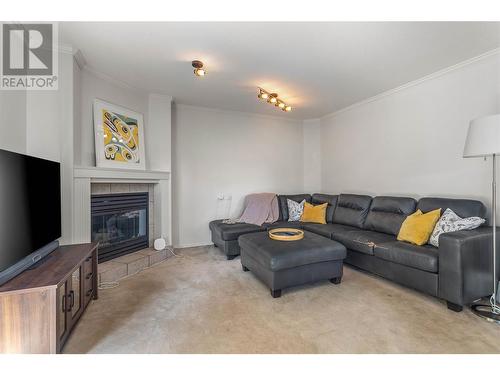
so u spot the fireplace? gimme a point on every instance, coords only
(120, 222)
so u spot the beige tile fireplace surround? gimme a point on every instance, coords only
(130, 264)
(118, 188)
(92, 180)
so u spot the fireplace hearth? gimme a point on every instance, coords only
(120, 222)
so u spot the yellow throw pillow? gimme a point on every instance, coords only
(314, 214)
(418, 227)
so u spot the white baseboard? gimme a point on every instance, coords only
(183, 246)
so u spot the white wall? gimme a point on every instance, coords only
(96, 86)
(156, 110)
(231, 153)
(312, 156)
(410, 142)
(77, 112)
(159, 133)
(49, 134)
(40, 124)
(13, 120)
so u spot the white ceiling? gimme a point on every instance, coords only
(318, 68)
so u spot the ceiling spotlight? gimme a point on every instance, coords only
(262, 94)
(198, 68)
(288, 108)
(280, 104)
(273, 98)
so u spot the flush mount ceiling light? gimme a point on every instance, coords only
(272, 98)
(198, 68)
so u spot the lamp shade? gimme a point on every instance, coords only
(483, 137)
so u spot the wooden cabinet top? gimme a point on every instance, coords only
(52, 271)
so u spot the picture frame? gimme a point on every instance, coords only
(119, 136)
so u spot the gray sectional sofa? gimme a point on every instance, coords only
(459, 271)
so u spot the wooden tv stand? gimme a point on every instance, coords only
(40, 307)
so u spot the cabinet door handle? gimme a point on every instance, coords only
(72, 296)
(89, 293)
(89, 276)
(64, 303)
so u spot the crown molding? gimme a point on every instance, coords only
(113, 81)
(315, 120)
(82, 64)
(416, 82)
(253, 114)
(163, 96)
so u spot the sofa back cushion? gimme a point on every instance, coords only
(326, 198)
(284, 206)
(352, 209)
(462, 207)
(388, 213)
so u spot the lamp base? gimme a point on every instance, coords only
(486, 312)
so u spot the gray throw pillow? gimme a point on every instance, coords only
(451, 222)
(295, 209)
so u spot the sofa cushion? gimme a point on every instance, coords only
(424, 258)
(352, 210)
(327, 230)
(362, 240)
(451, 222)
(326, 198)
(418, 227)
(230, 232)
(314, 214)
(283, 224)
(279, 255)
(295, 210)
(462, 207)
(283, 206)
(388, 213)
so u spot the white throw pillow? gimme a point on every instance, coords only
(451, 222)
(295, 209)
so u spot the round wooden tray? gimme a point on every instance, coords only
(286, 234)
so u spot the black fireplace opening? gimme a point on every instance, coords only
(120, 223)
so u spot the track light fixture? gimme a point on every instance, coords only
(272, 98)
(198, 68)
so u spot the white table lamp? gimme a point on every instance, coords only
(483, 139)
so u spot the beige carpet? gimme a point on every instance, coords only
(202, 303)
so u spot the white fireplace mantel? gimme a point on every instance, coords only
(85, 176)
(108, 174)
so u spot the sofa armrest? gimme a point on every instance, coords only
(465, 265)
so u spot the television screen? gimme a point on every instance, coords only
(30, 205)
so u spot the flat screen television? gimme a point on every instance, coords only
(30, 211)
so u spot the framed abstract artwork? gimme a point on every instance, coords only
(119, 137)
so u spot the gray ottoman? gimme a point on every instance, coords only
(283, 264)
